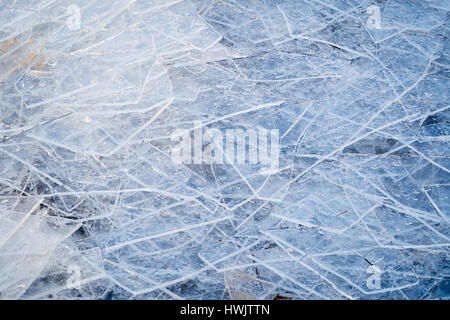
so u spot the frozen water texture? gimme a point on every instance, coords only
(92, 207)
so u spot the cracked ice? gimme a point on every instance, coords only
(93, 207)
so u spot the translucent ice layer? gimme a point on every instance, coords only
(94, 92)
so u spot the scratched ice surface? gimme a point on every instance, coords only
(93, 207)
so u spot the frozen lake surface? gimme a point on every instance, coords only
(135, 139)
